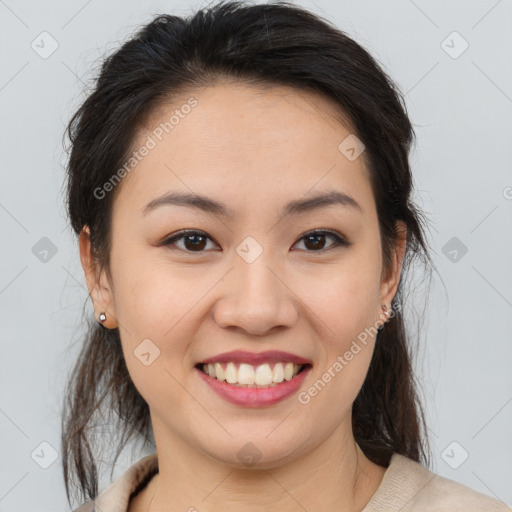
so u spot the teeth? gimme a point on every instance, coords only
(246, 375)
(263, 376)
(288, 371)
(278, 375)
(231, 373)
(219, 372)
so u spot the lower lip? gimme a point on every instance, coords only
(255, 397)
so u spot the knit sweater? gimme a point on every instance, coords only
(407, 486)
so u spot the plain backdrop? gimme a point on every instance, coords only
(452, 61)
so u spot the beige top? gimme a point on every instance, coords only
(406, 487)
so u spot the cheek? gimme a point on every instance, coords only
(346, 309)
(162, 303)
(151, 295)
(151, 303)
(347, 298)
(345, 302)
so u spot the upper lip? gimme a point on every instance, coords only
(269, 356)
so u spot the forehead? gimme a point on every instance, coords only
(246, 144)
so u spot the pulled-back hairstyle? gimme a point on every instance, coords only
(264, 44)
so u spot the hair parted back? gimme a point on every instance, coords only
(276, 43)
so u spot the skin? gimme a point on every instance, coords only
(254, 150)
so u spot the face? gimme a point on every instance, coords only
(255, 279)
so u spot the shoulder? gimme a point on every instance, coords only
(116, 497)
(410, 487)
(86, 507)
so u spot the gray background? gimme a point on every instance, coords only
(461, 107)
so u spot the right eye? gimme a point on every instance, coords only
(193, 241)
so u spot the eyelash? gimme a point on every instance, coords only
(339, 240)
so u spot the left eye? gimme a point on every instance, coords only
(314, 238)
(195, 241)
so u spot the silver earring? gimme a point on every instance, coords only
(385, 308)
(103, 317)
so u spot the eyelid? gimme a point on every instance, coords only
(340, 240)
(186, 232)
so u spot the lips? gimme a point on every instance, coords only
(254, 396)
(255, 359)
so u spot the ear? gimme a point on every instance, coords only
(100, 289)
(389, 285)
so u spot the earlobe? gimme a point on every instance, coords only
(97, 283)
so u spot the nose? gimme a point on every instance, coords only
(256, 299)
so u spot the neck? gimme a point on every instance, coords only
(333, 476)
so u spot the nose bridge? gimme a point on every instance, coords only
(256, 279)
(255, 297)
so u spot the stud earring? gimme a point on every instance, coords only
(103, 317)
(385, 308)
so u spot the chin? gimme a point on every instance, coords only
(256, 454)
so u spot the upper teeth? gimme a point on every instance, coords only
(246, 374)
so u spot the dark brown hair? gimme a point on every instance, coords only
(267, 44)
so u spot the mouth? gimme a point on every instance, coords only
(245, 385)
(244, 375)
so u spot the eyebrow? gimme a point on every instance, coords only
(208, 205)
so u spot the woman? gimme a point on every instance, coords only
(240, 185)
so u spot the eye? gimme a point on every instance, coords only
(196, 241)
(315, 239)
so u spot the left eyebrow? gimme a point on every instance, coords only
(295, 207)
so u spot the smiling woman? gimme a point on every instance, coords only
(240, 186)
